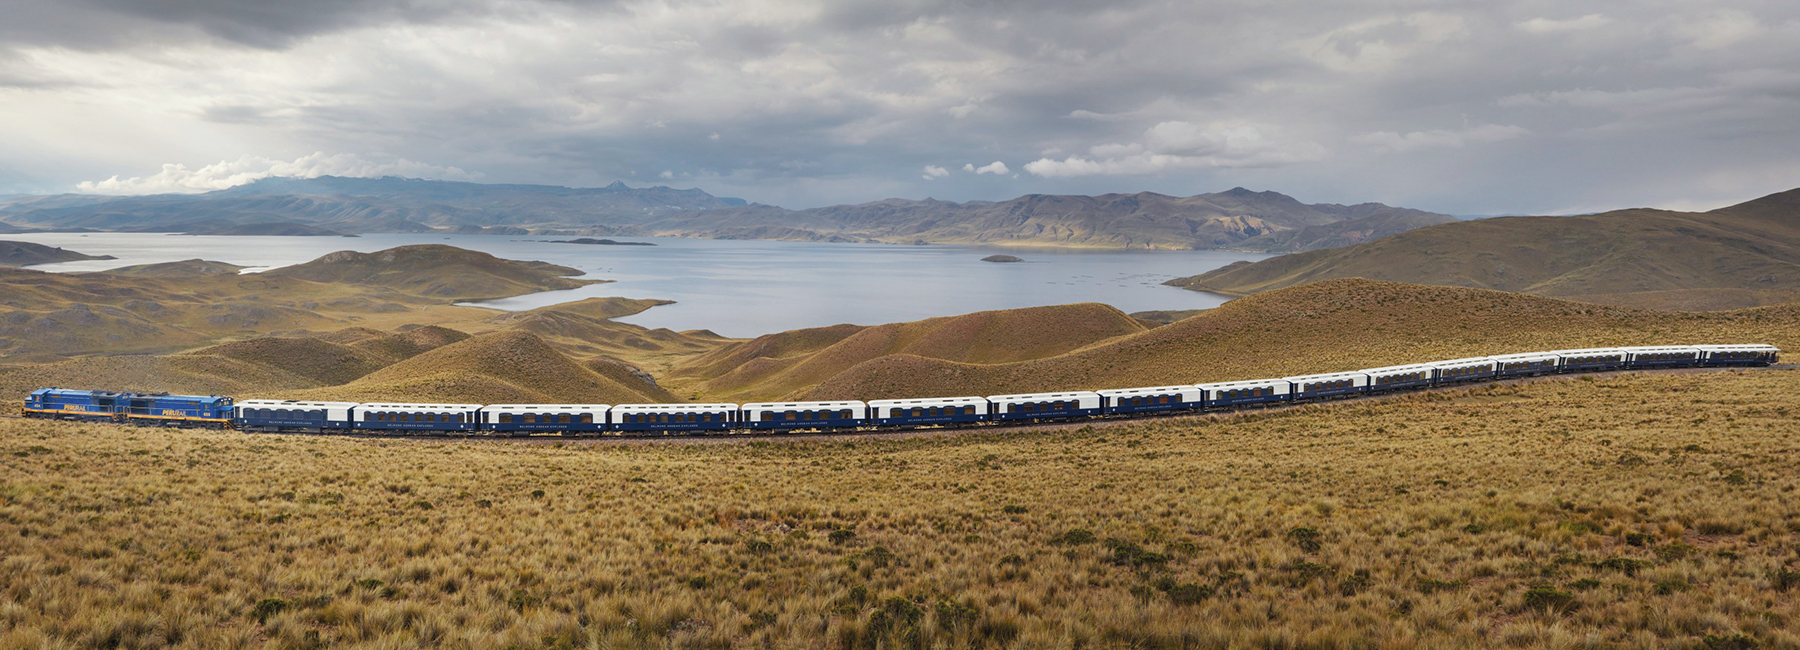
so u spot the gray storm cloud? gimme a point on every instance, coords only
(1457, 107)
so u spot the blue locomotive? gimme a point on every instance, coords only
(149, 409)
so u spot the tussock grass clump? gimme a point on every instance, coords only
(1254, 530)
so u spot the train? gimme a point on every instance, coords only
(393, 418)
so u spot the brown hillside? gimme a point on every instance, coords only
(436, 270)
(323, 362)
(585, 328)
(1321, 327)
(1221, 219)
(408, 344)
(19, 253)
(181, 269)
(780, 345)
(982, 337)
(327, 362)
(501, 367)
(188, 374)
(631, 376)
(166, 308)
(1751, 247)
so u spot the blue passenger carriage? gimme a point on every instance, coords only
(927, 411)
(64, 404)
(1739, 355)
(295, 416)
(1143, 400)
(1661, 356)
(1591, 359)
(1456, 371)
(525, 419)
(390, 417)
(1253, 391)
(672, 418)
(1331, 384)
(1527, 364)
(803, 415)
(1038, 406)
(1388, 378)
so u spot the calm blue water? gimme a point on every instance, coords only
(744, 288)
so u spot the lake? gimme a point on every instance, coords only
(743, 288)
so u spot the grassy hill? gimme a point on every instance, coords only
(168, 307)
(1320, 327)
(1646, 511)
(180, 269)
(788, 363)
(328, 205)
(1229, 219)
(19, 253)
(496, 368)
(436, 270)
(1748, 249)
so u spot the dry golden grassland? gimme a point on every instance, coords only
(1629, 510)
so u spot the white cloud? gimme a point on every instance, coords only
(1376, 44)
(667, 174)
(1721, 30)
(1183, 145)
(1415, 140)
(176, 178)
(1555, 26)
(997, 168)
(934, 171)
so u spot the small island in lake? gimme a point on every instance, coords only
(1001, 258)
(602, 242)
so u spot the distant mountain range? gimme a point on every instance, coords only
(1236, 219)
(1739, 256)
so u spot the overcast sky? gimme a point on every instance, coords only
(1460, 107)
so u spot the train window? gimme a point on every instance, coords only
(506, 418)
(587, 418)
(528, 418)
(916, 412)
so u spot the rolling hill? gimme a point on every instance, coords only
(179, 269)
(435, 270)
(19, 253)
(791, 363)
(180, 305)
(1237, 218)
(1641, 256)
(355, 205)
(507, 367)
(1326, 326)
